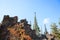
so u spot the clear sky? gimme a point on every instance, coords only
(47, 11)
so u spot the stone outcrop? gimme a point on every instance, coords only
(11, 29)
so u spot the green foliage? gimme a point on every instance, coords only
(55, 31)
(54, 28)
(59, 21)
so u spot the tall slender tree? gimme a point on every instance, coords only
(35, 26)
(45, 29)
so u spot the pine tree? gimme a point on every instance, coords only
(35, 26)
(45, 29)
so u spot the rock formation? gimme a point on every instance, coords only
(11, 29)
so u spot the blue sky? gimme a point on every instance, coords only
(48, 10)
